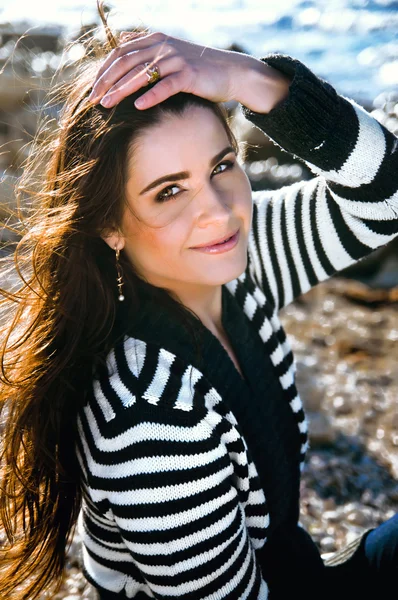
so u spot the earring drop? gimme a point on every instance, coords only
(119, 275)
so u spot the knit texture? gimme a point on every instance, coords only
(190, 472)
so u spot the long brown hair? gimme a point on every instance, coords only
(61, 321)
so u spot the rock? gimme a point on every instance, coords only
(365, 294)
(312, 394)
(328, 544)
(331, 515)
(360, 517)
(320, 428)
(343, 405)
(393, 494)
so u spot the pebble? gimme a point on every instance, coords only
(311, 394)
(342, 405)
(328, 544)
(320, 429)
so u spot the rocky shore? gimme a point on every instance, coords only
(346, 350)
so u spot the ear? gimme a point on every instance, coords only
(114, 239)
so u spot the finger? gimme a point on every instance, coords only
(116, 70)
(140, 43)
(166, 87)
(131, 82)
(128, 36)
(119, 51)
(121, 66)
(136, 79)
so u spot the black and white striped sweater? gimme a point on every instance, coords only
(191, 473)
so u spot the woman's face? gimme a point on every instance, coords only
(164, 221)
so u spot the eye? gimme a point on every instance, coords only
(163, 196)
(229, 164)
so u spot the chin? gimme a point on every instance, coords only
(227, 274)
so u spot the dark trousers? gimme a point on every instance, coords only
(372, 571)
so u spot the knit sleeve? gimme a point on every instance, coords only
(166, 514)
(306, 232)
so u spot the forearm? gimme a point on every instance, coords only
(260, 87)
(335, 136)
(323, 225)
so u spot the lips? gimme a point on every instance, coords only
(221, 247)
(215, 242)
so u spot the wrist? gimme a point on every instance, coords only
(302, 123)
(261, 87)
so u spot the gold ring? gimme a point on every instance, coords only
(152, 72)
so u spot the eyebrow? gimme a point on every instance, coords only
(185, 174)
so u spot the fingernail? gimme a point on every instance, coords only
(106, 101)
(139, 102)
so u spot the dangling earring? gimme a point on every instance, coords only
(119, 275)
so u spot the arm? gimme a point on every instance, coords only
(166, 479)
(306, 232)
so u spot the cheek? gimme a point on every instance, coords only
(243, 195)
(151, 246)
(150, 242)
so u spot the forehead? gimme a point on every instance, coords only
(197, 133)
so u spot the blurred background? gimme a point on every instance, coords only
(344, 332)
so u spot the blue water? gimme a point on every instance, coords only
(351, 43)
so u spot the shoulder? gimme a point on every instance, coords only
(145, 376)
(148, 397)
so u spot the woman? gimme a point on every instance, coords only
(146, 374)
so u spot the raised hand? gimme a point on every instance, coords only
(183, 65)
(217, 75)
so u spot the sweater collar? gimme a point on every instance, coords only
(257, 402)
(158, 323)
(182, 333)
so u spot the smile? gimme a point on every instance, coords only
(221, 247)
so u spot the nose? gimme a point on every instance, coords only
(212, 205)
